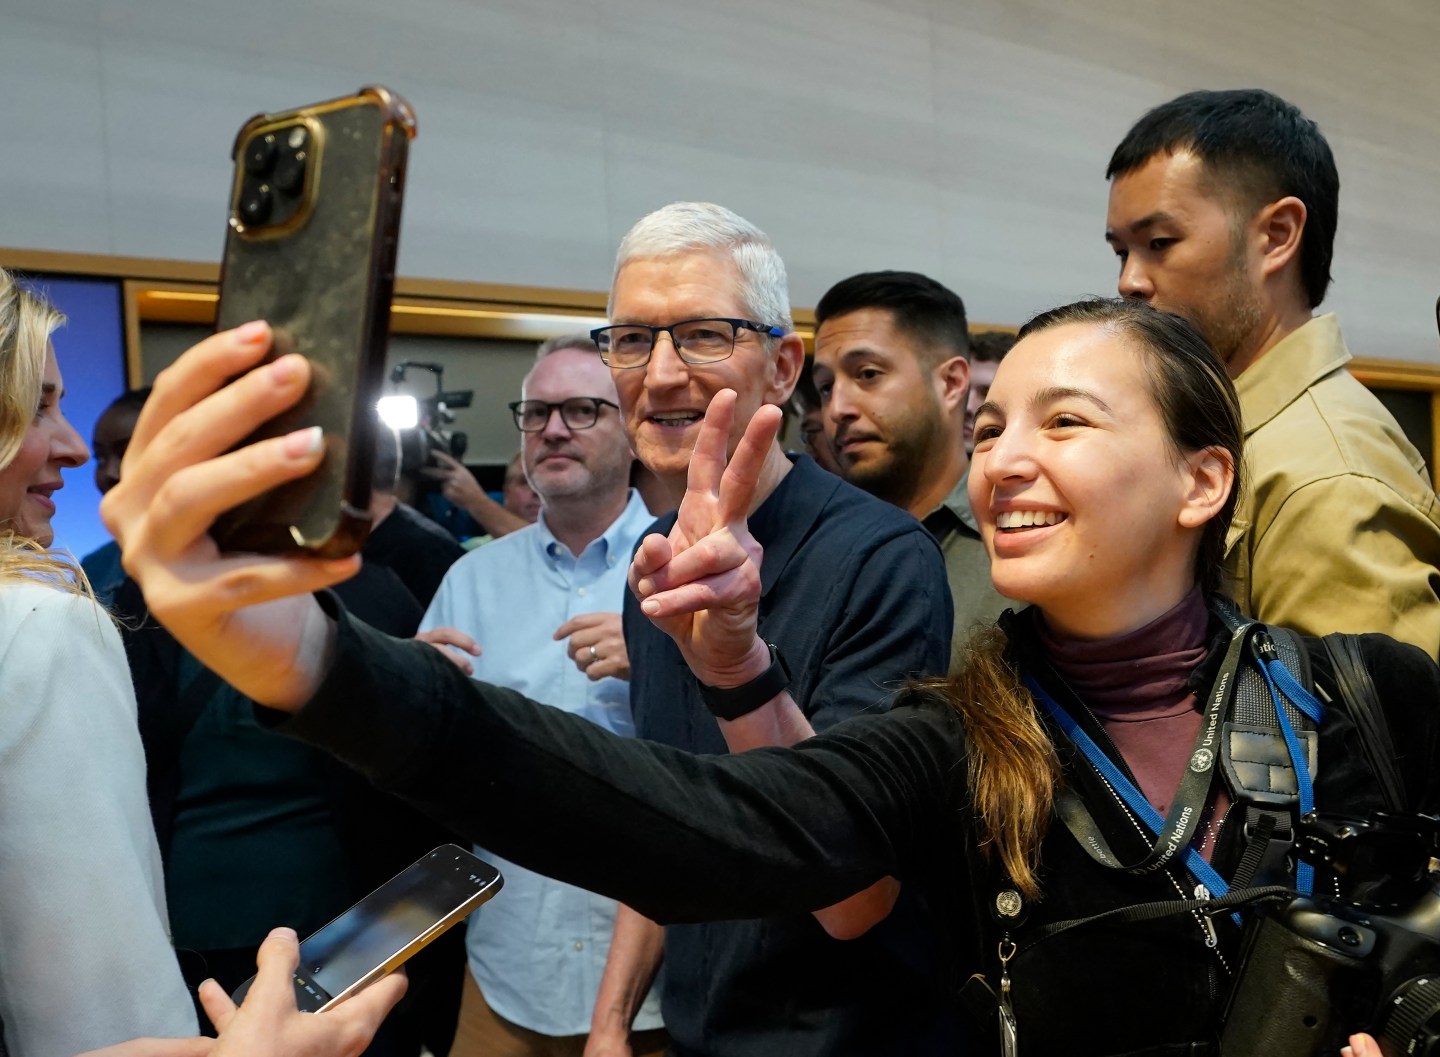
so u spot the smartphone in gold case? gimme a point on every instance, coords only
(310, 248)
(392, 923)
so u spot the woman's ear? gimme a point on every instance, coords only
(1210, 474)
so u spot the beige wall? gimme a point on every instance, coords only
(965, 139)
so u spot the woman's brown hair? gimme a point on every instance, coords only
(1013, 766)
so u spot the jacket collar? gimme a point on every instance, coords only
(1298, 361)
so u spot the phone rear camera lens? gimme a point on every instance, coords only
(255, 205)
(260, 155)
(290, 173)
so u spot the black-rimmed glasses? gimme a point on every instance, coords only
(579, 412)
(696, 340)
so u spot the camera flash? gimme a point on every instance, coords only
(297, 137)
(399, 412)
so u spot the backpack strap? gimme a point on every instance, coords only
(1362, 701)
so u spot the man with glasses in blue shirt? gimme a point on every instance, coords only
(542, 603)
(854, 602)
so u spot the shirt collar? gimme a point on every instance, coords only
(615, 543)
(956, 505)
(1299, 360)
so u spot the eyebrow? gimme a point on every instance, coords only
(863, 352)
(1049, 395)
(50, 389)
(1147, 221)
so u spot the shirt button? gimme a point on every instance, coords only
(581, 592)
(579, 946)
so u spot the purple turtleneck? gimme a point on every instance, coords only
(1138, 687)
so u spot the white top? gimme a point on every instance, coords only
(85, 955)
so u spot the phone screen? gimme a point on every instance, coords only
(390, 924)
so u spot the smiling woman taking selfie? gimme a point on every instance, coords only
(85, 958)
(1077, 765)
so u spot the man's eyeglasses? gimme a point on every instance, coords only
(579, 412)
(696, 340)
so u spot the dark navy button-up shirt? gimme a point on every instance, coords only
(853, 592)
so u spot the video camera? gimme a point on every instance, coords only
(1316, 970)
(434, 415)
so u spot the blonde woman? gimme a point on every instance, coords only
(85, 958)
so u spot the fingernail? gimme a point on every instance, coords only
(285, 932)
(252, 332)
(304, 442)
(645, 586)
(650, 607)
(285, 369)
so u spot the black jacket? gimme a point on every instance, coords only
(786, 830)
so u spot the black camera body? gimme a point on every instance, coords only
(1318, 970)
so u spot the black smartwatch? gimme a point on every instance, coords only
(736, 701)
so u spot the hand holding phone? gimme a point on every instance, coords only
(392, 923)
(310, 248)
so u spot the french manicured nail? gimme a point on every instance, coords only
(304, 442)
(285, 369)
(250, 333)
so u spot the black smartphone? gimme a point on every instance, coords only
(310, 248)
(377, 934)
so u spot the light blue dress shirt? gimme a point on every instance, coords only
(538, 949)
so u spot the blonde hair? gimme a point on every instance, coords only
(26, 323)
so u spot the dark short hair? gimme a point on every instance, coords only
(129, 400)
(990, 346)
(1260, 148)
(806, 397)
(1191, 388)
(922, 308)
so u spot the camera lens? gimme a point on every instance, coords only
(290, 172)
(255, 204)
(1411, 1024)
(260, 155)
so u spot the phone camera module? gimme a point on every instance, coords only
(255, 204)
(290, 172)
(260, 155)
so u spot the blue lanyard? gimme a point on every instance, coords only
(1279, 680)
(1124, 788)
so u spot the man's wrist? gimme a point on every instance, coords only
(730, 702)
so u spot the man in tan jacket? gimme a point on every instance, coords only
(1223, 208)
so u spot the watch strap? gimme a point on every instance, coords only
(736, 701)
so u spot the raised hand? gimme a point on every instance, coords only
(701, 583)
(250, 618)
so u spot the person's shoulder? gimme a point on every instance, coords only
(38, 619)
(852, 513)
(500, 553)
(417, 526)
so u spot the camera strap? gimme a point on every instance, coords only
(1173, 835)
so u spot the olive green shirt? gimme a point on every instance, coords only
(1337, 527)
(967, 566)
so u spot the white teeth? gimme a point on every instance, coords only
(677, 417)
(1027, 518)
